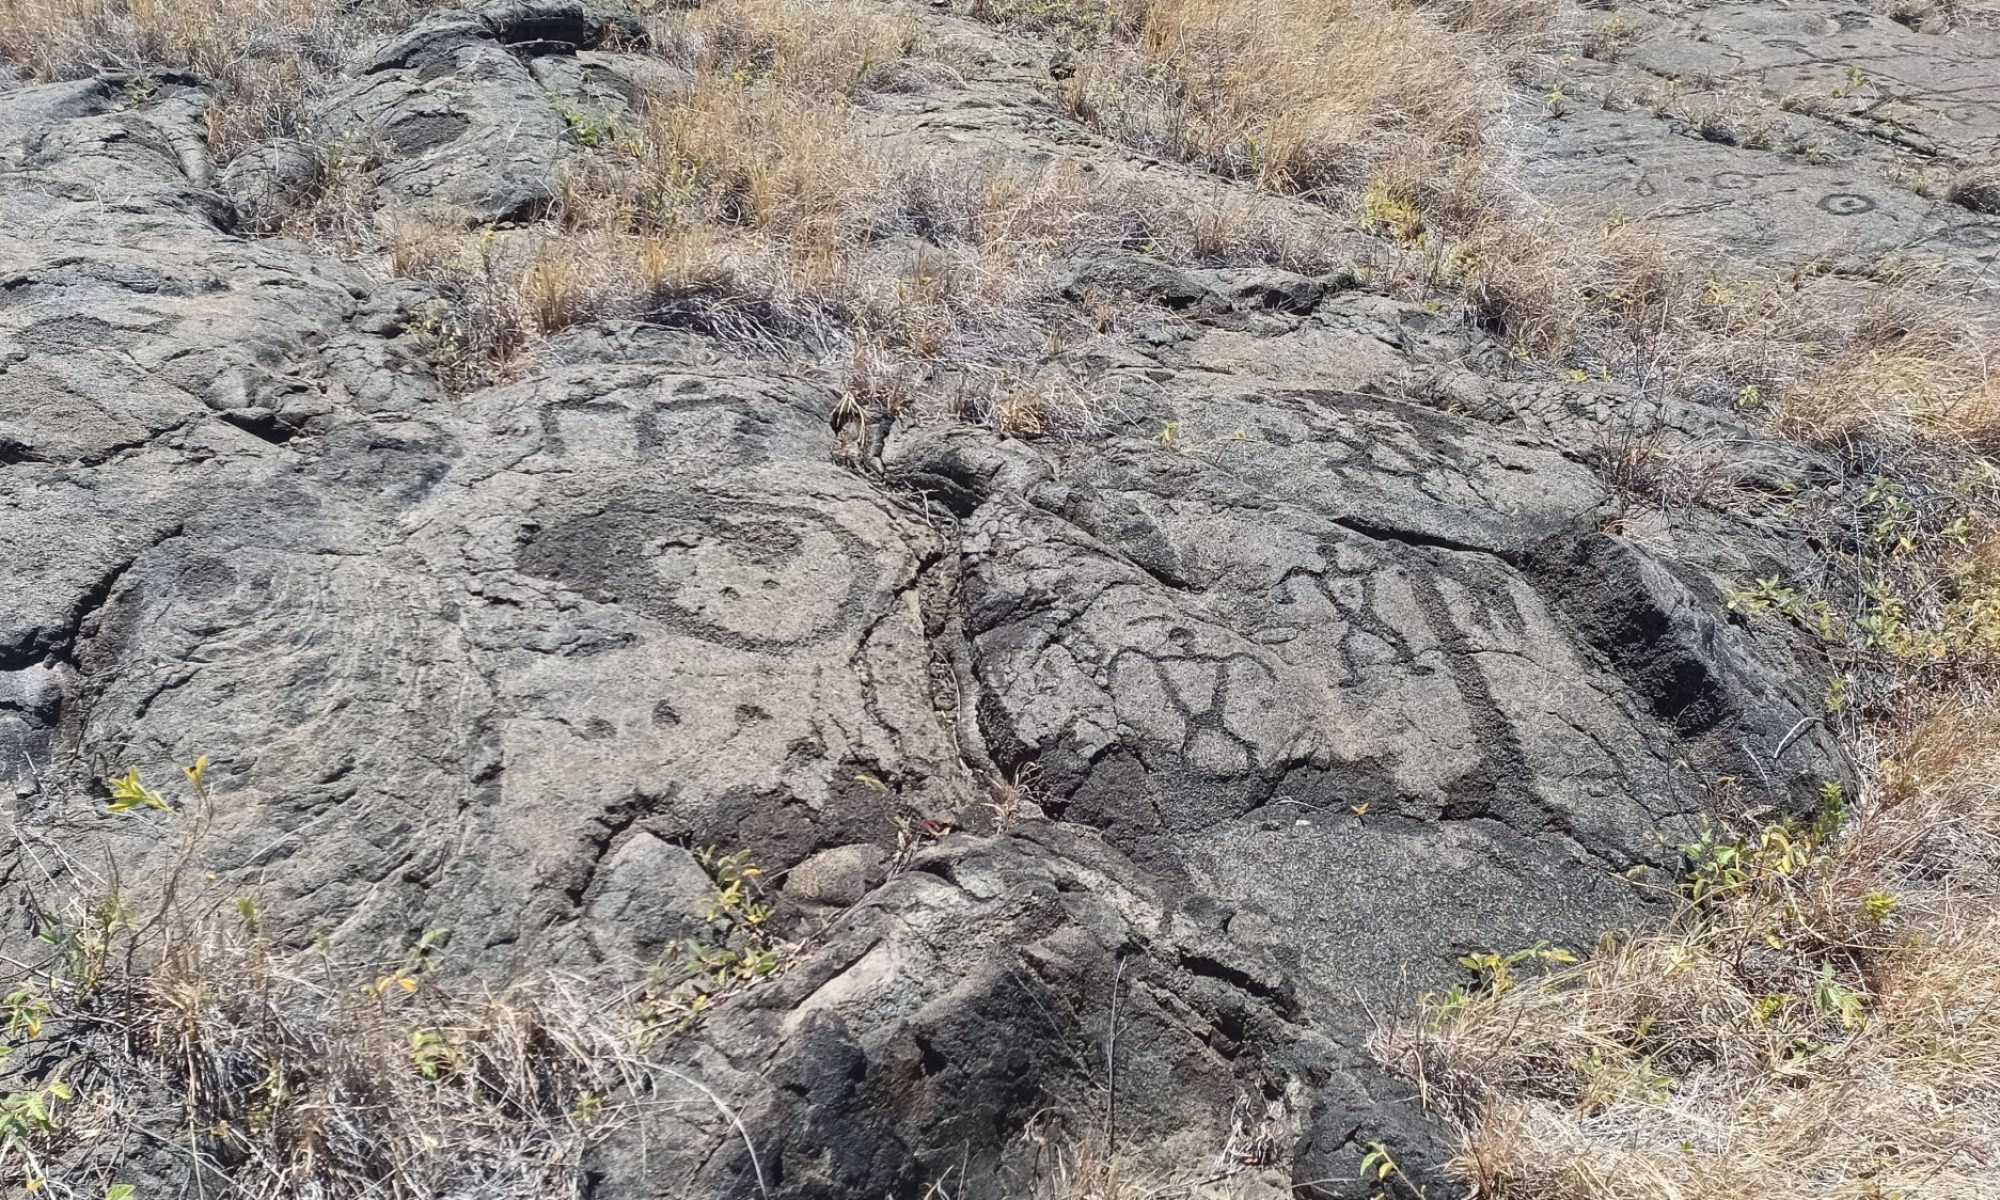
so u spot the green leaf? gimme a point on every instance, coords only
(128, 793)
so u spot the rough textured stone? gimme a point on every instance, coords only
(1794, 137)
(1333, 658)
(838, 878)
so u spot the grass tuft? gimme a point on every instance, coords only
(1306, 98)
(267, 59)
(169, 1008)
(1821, 1023)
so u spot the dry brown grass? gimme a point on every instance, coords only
(1088, 1170)
(1067, 1164)
(1819, 1022)
(266, 58)
(1728, 1057)
(757, 205)
(765, 215)
(1389, 112)
(1303, 97)
(164, 1007)
(67, 38)
(1976, 187)
(1822, 1026)
(825, 47)
(749, 205)
(1933, 16)
(1499, 22)
(1894, 369)
(1330, 101)
(1560, 292)
(1910, 371)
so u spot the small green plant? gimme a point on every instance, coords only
(1832, 813)
(591, 130)
(435, 1054)
(1877, 906)
(1493, 975)
(1622, 1074)
(1440, 1009)
(404, 976)
(24, 1009)
(1773, 595)
(1886, 626)
(1896, 525)
(29, 1117)
(1767, 594)
(695, 976)
(1495, 971)
(736, 900)
(1856, 80)
(1385, 211)
(1723, 866)
(1715, 864)
(1835, 998)
(441, 335)
(84, 946)
(1610, 40)
(128, 794)
(1381, 1167)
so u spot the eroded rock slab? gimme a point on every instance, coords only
(1334, 658)
(1817, 133)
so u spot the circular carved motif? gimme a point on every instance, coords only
(1846, 204)
(746, 575)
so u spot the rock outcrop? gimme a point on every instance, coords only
(1334, 658)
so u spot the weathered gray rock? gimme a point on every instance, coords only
(456, 116)
(838, 878)
(608, 87)
(930, 1019)
(1330, 661)
(270, 180)
(1792, 135)
(150, 360)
